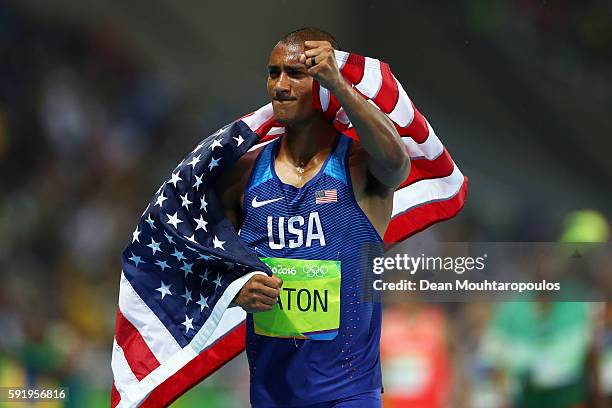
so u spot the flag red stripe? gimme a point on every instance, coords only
(423, 169)
(388, 94)
(205, 364)
(417, 129)
(138, 355)
(417, 219)
(353, 69)
(115, 397)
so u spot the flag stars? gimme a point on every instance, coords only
(238, 139)
(198, 182)
(135, 235)
(169, 238)
(175, 179)
(136, 259)
(187, 296)
(160, 199)
(163, 265)
(187, 268)
(188, 323)
(191, 238)
(205, 276)
(151, 222)
(217, 281)
(213, 163)
(203, 302)
(216, 143)
(203, 203)
(186, 201)
(201, 223)
(174, 220)
(195, 160)
(164, 289)
(217, 243)
(154, 246)
(178, 255)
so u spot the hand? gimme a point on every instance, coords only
(325, 70)
(259, 294)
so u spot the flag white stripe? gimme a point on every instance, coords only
(324, 98)
(261, 116)
(431, 148)
(341, 58)
(426, 191)
(123, 375)
(157, 337)
(372, 78)
(402, 113)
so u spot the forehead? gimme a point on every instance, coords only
(286, 54)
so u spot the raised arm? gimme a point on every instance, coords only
(388, 160)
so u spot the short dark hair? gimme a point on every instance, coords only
(308, 34)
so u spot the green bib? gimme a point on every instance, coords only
(309, 301)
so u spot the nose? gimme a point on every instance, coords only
(282, 86)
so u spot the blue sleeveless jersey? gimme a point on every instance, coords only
(293, 372)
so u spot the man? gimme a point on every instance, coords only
(314, 194)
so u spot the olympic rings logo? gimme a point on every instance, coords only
(314, 271)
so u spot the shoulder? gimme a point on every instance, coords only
(231, 184)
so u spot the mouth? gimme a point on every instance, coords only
(284, 100)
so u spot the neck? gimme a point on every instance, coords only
(304, 141)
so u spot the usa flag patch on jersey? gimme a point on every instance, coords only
(326, 196)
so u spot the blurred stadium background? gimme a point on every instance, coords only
(100, 100)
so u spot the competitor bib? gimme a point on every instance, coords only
(308, 304)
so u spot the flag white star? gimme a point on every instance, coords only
(135, 235)
(218, 243)
(186, 201)
(198, 147)
(201, 223)
(203, 203)
(164, 289)
(187, 296)
(175, 179)
(136, 259)
(188, 324)
(238, 139)
(174, 220)
(191, 238)
(203, 302)
(169, 238)
(204, 256)
(213, 163)
(195, 160)
(154, 246)
(162, 264)
(216, 143)
(151, 222)
(217, 281)
(160, 199)
(178, 255)
(187, 268)
(198, 182)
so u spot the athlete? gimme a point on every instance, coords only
(314, 194)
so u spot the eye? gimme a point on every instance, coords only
(295, 73)
(273, 73)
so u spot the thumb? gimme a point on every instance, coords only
(278, 280)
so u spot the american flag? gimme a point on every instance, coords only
(326, 196)
(185, 262)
